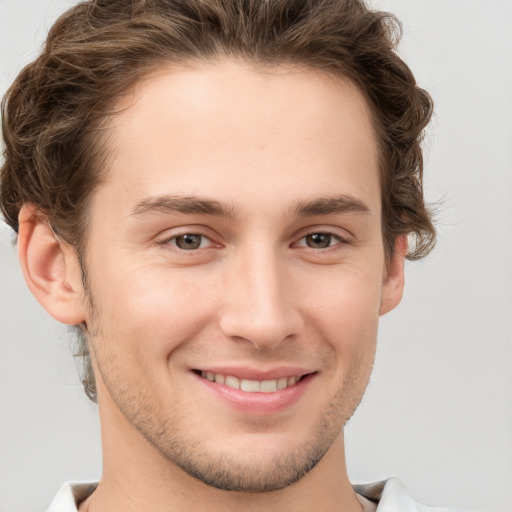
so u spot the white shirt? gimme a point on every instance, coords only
(387, 496)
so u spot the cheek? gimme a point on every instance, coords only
(346, 313)
(347, 297)
(153, 313)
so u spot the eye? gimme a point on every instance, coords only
(320, 240)
(189, 241)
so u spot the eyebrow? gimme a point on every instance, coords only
(203, 206)
(182, 204)
(331, 205)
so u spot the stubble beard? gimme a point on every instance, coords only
(229, 471)
(223, 469)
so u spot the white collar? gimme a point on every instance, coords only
(390, 495)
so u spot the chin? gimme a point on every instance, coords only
(250, 475)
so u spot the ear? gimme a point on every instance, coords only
(393, 283)
(50, 268)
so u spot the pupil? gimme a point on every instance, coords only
(188, 241)
(319, 240)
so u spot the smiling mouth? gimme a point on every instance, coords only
(252, 386)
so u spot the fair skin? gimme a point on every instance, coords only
(235, 238)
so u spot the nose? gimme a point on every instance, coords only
(259, 302)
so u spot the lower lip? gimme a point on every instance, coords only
(258, 403)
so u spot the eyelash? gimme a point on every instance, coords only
(172, 241)
(337, 238)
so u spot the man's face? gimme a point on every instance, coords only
(236, 242)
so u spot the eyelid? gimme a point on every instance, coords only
(173, 241)
(342, 238)
(169, 235)
(335, 238)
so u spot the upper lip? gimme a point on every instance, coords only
(251, 373)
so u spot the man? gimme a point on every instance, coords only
(219, 196)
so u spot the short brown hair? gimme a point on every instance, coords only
(54, 112)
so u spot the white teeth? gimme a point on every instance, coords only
(282, 383)
(232, 382)
(268, 386)
(251, 386)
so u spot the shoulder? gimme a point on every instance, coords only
(392, 496)
(70, 495)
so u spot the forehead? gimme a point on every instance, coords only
(227, 128)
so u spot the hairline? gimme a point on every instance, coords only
(102, 151)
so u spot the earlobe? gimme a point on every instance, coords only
(50, 268)
(393, 284)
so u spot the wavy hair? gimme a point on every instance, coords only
(53, 115)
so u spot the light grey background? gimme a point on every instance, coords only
(438, 412)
